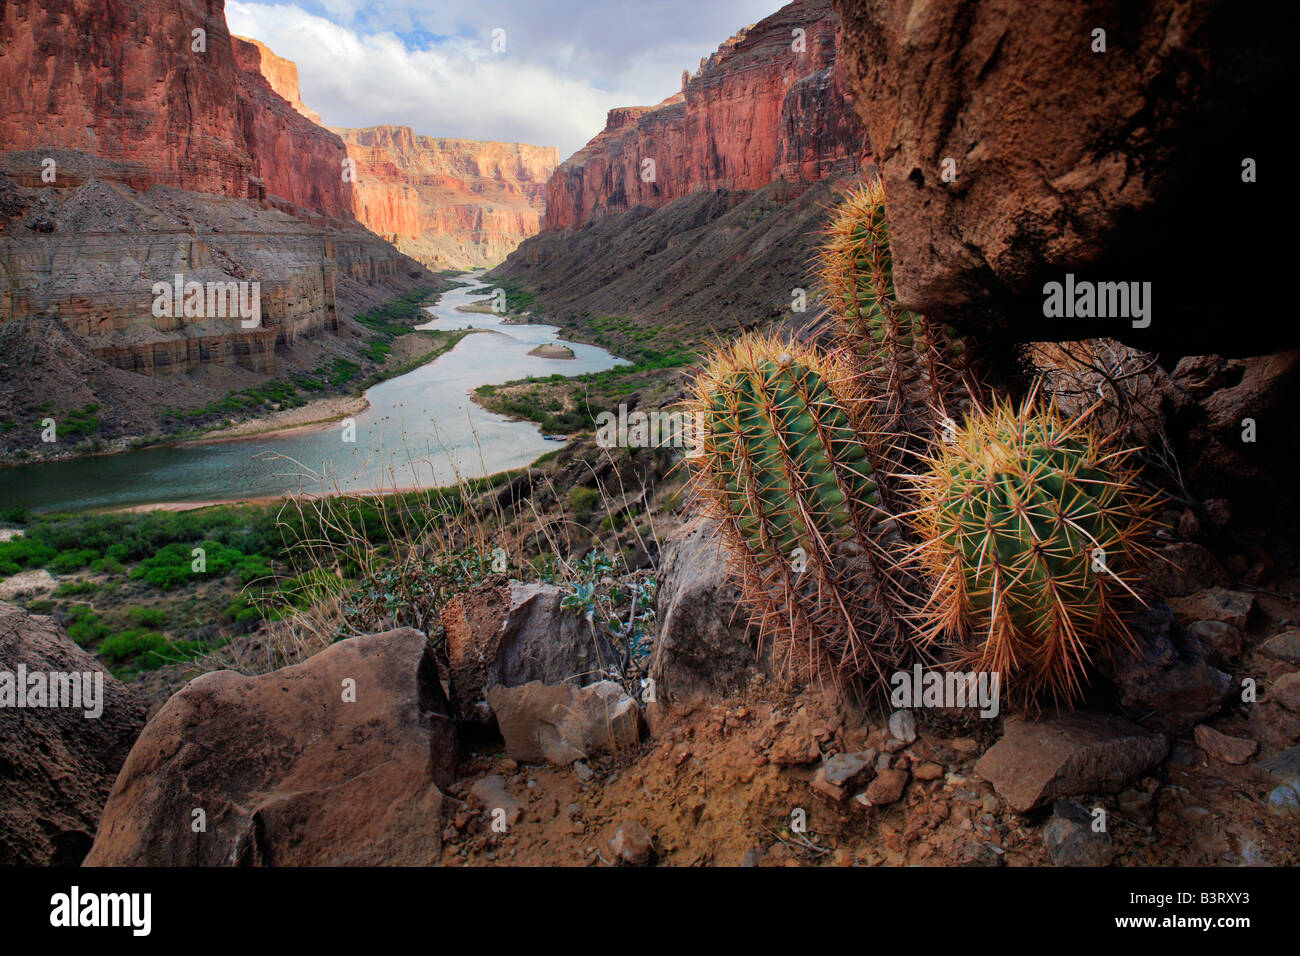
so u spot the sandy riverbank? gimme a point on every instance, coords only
(316, 414)
(266, 499)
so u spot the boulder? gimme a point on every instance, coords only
(1169, 679)
(338, 760)
(1066, 754)
(509, 633)
(561, 723)
(57, 765)
(1214, 604)
(1184, 567)
(706, 646)
(1224, 641)
(1286, 691)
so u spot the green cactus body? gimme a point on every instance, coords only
(919, 366)
(783, 464)
(1031, 531)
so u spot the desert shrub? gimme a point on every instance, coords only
(583, 500)
(72, 588)
(72, 560)
(147, 616)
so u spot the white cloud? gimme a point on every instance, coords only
(561, 71)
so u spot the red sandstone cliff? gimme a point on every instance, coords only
(450, 203)
(293, 157)
(117, 94)
(255, 57)
(770, 104)
(117, 79)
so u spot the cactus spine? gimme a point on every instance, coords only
(1032, 529)
(782, 461)
(919, 367)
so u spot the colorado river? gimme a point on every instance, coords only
(420, 430)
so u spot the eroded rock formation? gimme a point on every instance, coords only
(59, 764)
(122, 81)
(771, 104)
(449, 203)
(1115, 164)
(253, 56)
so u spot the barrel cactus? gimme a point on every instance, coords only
(783, 463)
(1032, 529)
(920, 368)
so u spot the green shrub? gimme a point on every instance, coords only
(86, 627)
(70, 588)
(68, 561)
(583, 500)
(107, 566)
(147, 616)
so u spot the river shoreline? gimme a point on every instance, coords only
(314, 415)
(419, 430)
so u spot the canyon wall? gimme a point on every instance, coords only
(118, 79)
(747, 158)
(449, 203)
(773, 103)
(253, 56)
(172, 154)
(293, 157)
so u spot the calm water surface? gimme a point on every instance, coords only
(420, 430)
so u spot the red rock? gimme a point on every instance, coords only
(1067, 754)
(1220, 746)
(449, 203)
(1214, 604)
(927, 771)
(293, 156)
(1286, 691)
(120, 81)
(287, 770)
(282, 74)
(59, 764)
(757, 111)
(562, 723)
(511, 633)
(887, 788)
(1067, 159)
(631, 843)
(795, 745)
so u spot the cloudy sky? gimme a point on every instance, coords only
(430, 64)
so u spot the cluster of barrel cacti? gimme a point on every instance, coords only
(1007, 545)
